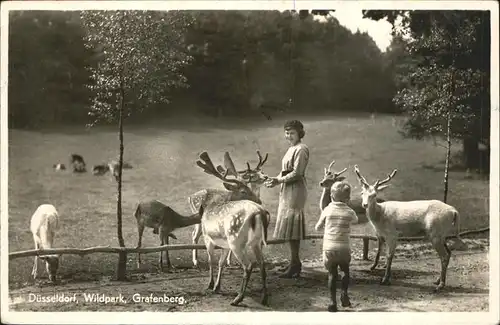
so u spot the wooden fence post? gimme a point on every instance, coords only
(366, 243)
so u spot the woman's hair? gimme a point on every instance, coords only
(297, 126)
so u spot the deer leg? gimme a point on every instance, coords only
(257, 250)
(391, 249)
(34, 272)
(223, 256)
(140, 230)
(444, 255)
(167, 256)
(247, 271)
(380, 241)
(195, 236)
(228, 260)
(210, 252)
(162, 242)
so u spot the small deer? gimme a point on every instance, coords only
(252, 179)
(59, 167)
(44, 225)
(326, 183)
(392, 219)
(163, 219)
(114, 165)
(78, 164)
(239, 227)
(99, 170)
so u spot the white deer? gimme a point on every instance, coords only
(329, 178)
(239, 227)
(392, 219)
(253, 179)
(44, 225)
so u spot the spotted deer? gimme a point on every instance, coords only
(252, 178)
(239, 227)
(392, 219)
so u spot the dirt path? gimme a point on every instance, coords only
(411, 289)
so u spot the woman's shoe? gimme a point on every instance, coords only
(292, 272)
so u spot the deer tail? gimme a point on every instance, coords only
(264, 218)
(137, 212)
(456, 222)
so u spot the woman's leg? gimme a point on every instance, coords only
(294, 250)
(295, 267)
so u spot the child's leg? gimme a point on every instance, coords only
(332, 285)
(344, 297)
(332, 269)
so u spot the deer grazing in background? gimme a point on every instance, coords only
(326, 183)
(239, 227)
(44, 225)
(251, 179)
(163, 220)
(392, 219)
(113, 166)
(78, 164)
(59, 167)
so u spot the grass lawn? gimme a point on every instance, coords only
(164, 157)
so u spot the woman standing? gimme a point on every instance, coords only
(290, 223)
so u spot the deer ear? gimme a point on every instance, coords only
(340, 179)
(382, 187)
(230, 187)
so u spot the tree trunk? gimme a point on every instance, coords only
(448, 154)
(122, 257)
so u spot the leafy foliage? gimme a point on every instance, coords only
(139, 53)
(449, 72)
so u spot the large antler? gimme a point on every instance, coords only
(208, 167)
(259, 165)
(261, 162)
(360, 177)
(379, 182)
(329, 170)
(228, 162)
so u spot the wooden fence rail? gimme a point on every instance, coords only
(175, 247)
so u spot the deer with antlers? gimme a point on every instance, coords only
(239, 227)
(329, 178)
(392, 219)
(252, 178)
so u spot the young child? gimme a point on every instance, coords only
(337, 218)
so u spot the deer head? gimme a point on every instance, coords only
(237, 186)
(51, 265)
(253, 176)
(369, 192)
(331, 177)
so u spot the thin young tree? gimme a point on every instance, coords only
(139, 58)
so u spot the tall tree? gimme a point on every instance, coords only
(140, 55)
(449, 75)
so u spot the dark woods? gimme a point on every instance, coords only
(242, 63)
(262, 62)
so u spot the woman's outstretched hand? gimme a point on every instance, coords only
(271, 182)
